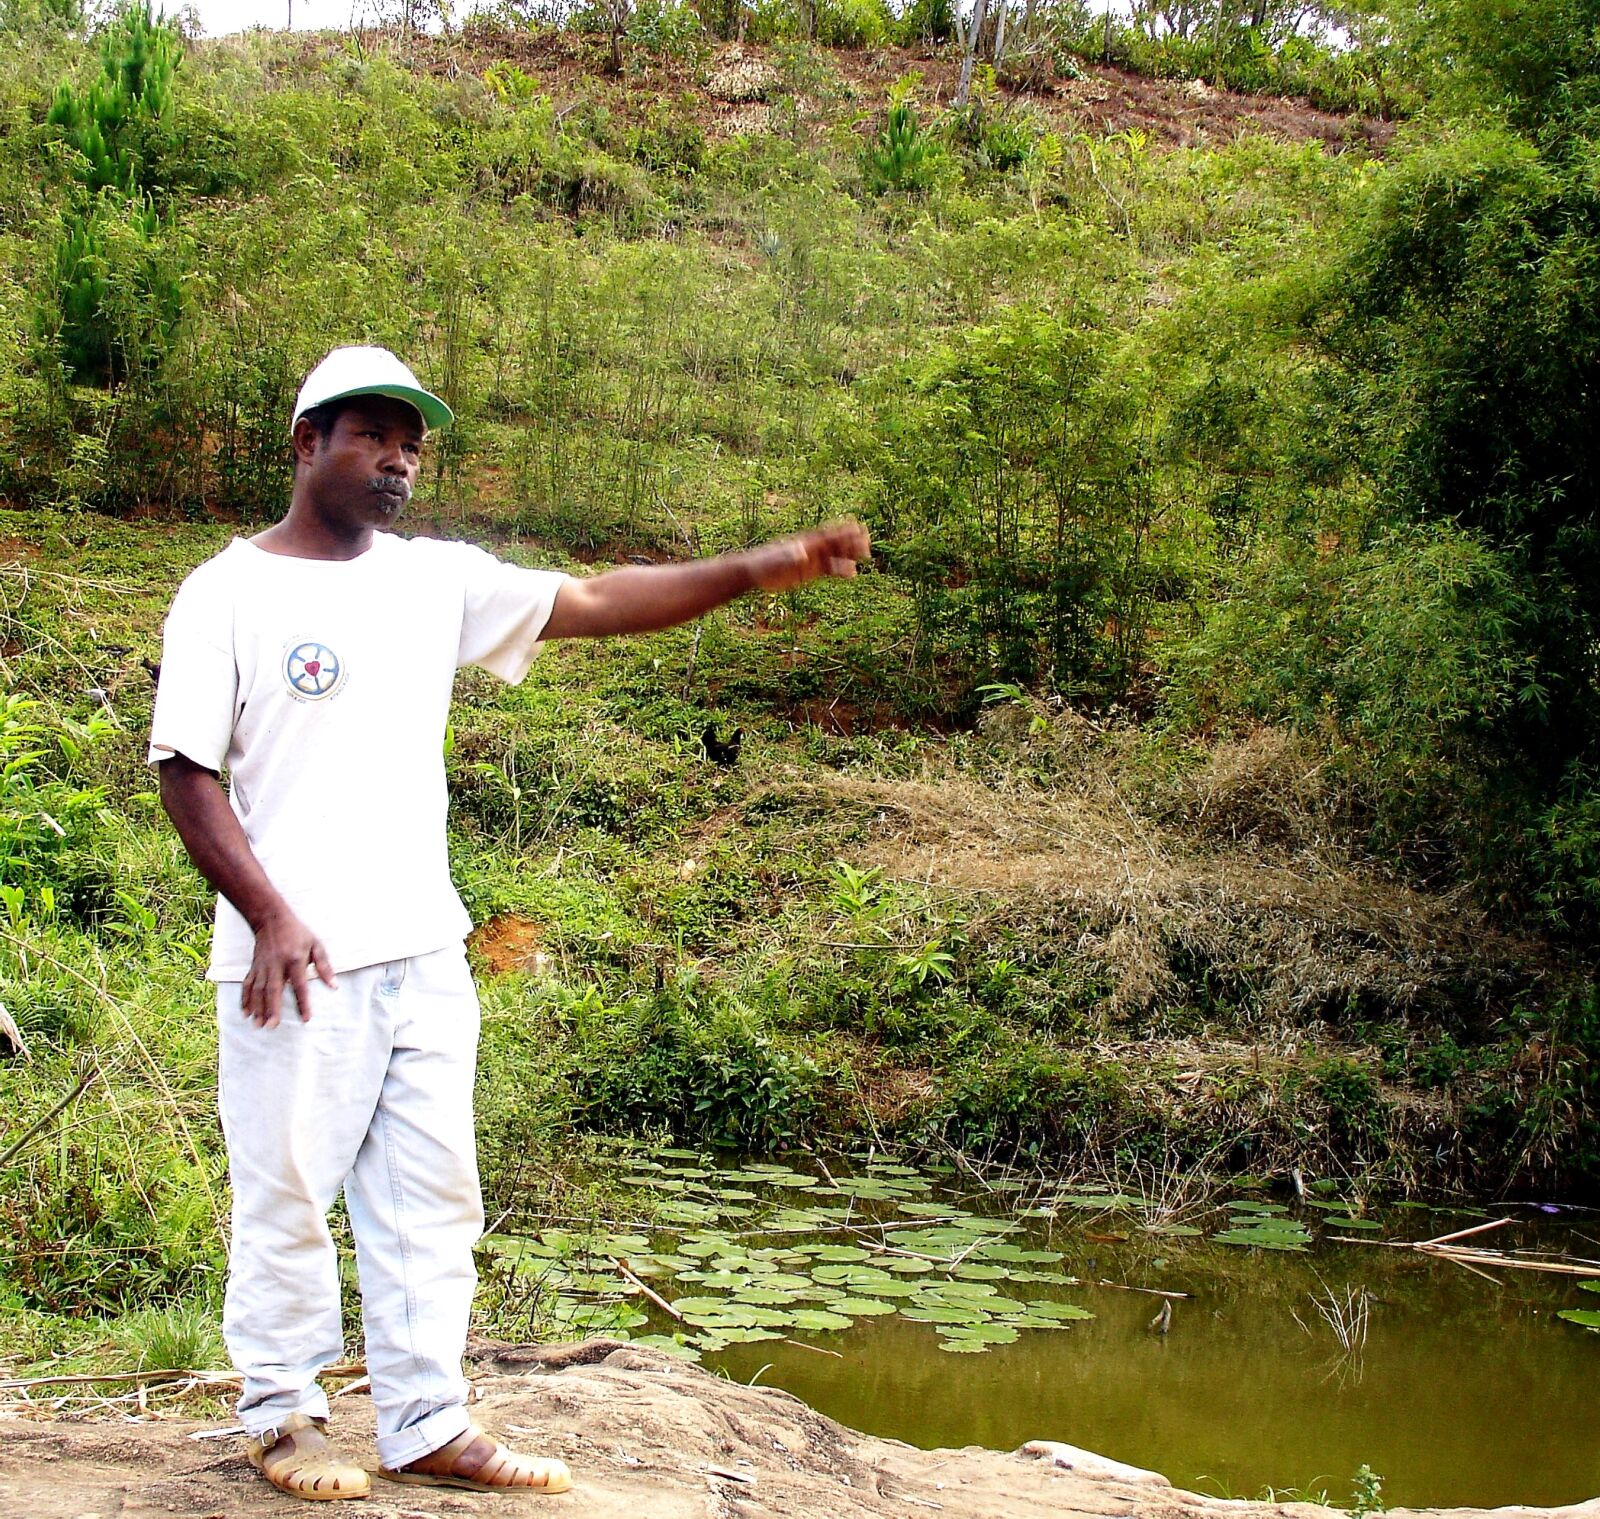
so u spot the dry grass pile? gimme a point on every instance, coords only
(1279, 928)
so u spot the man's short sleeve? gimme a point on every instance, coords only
(197, 694)
(506, 608)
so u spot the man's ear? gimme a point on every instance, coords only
(305, 437)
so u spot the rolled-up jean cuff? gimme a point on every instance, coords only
(264, 1416)
(423, 1437)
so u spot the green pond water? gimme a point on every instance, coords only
(922, 1305)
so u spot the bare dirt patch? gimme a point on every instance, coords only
(570, 68)
(647, 1437)
(511, 942)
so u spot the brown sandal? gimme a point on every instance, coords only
(482, 1465)
(296, 1459)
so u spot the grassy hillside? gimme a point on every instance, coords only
(1015, 857)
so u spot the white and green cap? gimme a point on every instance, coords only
(367, 372)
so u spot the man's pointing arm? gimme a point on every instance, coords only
(656, 596)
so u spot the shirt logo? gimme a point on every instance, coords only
(312, 670)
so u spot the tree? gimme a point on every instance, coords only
(111, 229)
(1534, 64)
(969, 51)
(1462, 316)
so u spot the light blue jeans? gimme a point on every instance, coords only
(373, 1094)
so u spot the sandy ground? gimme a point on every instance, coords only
(648, 1437)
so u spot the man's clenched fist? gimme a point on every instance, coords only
(832, 550)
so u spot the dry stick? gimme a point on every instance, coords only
(1482, 1257)
(801, 1345)
(44, 1123)
(209, 1378)
(348, 1369)
(1494, 1258)
(1153, 1291)
(1473, 1269)
(1445, 1239)
(655, 1297)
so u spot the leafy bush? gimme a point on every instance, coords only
(1409, 649)
(1462, 318)
(853, 23)
(669, 30)
(1365, 73)
(1016, 497)
(696, 1061)
(926, 22)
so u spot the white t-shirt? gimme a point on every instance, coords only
(324, 686)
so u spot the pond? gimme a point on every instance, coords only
(946, 1309)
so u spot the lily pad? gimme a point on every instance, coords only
(855, 1276)
(1050, 1308)
(818, 1318)
(961, 1291)
(989, 1334)
(1264, 1237)
(680, 1212)
(862, 1307)
(941, 1313)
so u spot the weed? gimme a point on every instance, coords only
(183, 1337)
(1366, 1493)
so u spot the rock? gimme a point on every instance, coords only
(1086, 1464)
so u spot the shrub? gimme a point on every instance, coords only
(670, 31)
(853, 23)
(1016, 495)
(1409, 649)
(695, 1060)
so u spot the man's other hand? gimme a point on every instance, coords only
(285, 948)
(832, 550)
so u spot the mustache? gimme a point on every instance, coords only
(395, 483)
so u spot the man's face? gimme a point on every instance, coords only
(362, 474)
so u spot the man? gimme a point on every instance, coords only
(316, 661)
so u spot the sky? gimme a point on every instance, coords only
(218, 17)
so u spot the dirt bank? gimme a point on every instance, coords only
(648, 1437)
